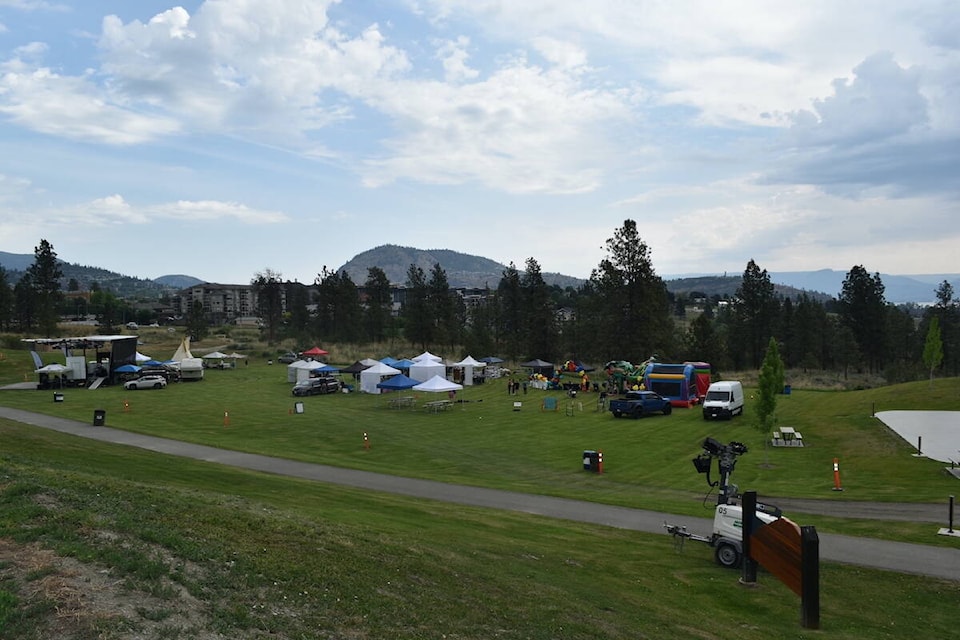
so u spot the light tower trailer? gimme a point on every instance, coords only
(727, 535)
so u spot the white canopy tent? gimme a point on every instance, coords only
(426, 355)
(468, 364)
(438, 384)
(374, 375)
(300, 369)
(423, 370)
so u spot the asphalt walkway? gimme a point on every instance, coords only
(938, 562)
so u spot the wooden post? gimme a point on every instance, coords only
(810, 578)
(748, 515)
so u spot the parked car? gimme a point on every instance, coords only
(288, 357)
(315, 386)
(145, 382)
(637, 404)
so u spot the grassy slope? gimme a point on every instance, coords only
(261, 556)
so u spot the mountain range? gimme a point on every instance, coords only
(471, 271)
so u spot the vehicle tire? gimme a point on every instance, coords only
(617, 414)
(158, 386)
(667, 410)
(727, 555)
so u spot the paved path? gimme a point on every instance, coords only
(925, 560)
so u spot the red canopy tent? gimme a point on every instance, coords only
(316, 351)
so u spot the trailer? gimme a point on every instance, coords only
(726, 538)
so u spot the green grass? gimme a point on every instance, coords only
(484, 442)
(263, 556)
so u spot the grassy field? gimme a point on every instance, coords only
(99, 541)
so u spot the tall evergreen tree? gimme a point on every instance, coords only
(480, 323)
(901, 345)
(197, 325)
(417, 320)
(947, 309)
(809, 340)
(378, 304)
(862, 308)
(298, 313)
(25, 303)
(755, 312)
(442, 307)
(348, 315)
(6, 301)
(538, 313)
(338, 314)
(45, 274)
(510, 333)
(633, 311)
(268, 285)
(704, 343)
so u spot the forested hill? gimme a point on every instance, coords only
(462, 270)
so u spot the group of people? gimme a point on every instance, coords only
(514, 386)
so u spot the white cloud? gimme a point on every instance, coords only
(208, 210)
(453, 55)
(70, 107)
(883, 100)
(522, 130)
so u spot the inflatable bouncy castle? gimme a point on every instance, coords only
(676, 382)
(701, 373)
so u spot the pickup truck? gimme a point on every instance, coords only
(636, 404)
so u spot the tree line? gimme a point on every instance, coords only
(622, 312)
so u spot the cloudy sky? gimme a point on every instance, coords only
(220, 138)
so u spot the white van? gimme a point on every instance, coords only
(723, 400)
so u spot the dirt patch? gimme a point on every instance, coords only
(75, 600)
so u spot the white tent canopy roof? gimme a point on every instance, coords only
(426, 355)
(55, 368)
(470, 362)
(309, 365)
(438, 384)
(216, 355)
(381, 369)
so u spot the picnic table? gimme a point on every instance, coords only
(437, 406)
(787, 437)
(403, 402)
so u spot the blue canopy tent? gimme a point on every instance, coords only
(398, 382)
(127, 368)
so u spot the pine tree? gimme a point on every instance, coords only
(631, 299)
(862, 309)
(378, 304)
(417, 324)
(268, 285)
(539, 315)
(755, 311)
(45, 274)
